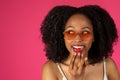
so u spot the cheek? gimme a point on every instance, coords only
(89, 43)
(67, 44)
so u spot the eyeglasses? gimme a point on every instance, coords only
(72, 34)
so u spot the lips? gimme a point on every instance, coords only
(78, 49)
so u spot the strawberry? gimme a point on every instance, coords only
(77, 50)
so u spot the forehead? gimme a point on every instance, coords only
(78, 20)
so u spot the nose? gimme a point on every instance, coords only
(78, 38)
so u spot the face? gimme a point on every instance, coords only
(78, 34)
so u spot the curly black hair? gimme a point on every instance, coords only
(53, 26)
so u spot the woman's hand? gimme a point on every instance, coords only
(77, 66)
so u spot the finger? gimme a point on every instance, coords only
(76, 61)
(86, 62)
(72, 62)
(82, 61)
(82, 58)
(83, 64)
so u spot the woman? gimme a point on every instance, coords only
(78, 44)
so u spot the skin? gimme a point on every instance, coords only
(76, 66)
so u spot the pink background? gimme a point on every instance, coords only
(21, 48)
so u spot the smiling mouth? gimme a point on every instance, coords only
(78, 49)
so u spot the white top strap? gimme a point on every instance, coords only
(104, 65)
(63, 75)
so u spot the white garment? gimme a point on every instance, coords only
(104, 67)
(63, 75)
(105, 75)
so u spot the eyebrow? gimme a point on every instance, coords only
(69, 27)
(73, 27)
(86, 27)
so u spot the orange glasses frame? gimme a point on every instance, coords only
(72, 34)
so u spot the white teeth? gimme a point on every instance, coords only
(78, 47)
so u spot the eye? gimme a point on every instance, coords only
(85, 32)
(70, 32)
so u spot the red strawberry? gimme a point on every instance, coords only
(77, 50)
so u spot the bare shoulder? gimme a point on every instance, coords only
(48, 72)
(111, 64)
(112, 70)
(48, 65)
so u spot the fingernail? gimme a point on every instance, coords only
(74, 53)
(81, 55)
(78, 54)
(86, 58)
